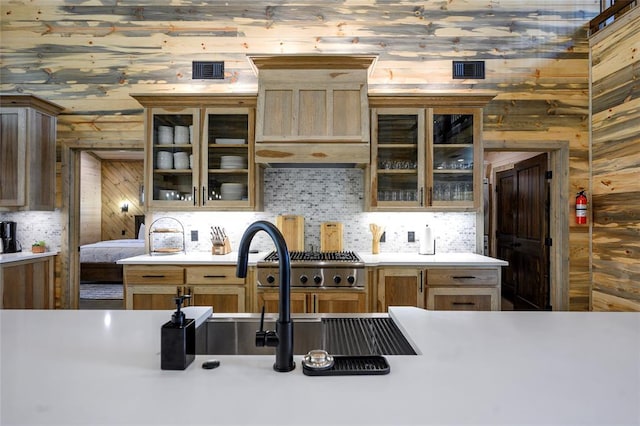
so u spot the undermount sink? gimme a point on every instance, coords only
(362, 334)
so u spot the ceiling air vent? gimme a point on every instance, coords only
(468, 69)
(202, 70)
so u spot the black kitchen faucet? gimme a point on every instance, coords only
(282, 339)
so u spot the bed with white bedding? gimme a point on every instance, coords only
(98, 260)
(110, 251)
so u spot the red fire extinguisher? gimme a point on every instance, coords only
(581, 208)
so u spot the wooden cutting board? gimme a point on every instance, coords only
(331, 236)
(292, 228)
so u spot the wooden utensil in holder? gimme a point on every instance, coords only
(376, 231)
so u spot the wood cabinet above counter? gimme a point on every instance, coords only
(199, 152)
(27, 152)
(312, 109)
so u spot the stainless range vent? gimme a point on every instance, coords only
(202, 70)
(364, 336)
(468, 69)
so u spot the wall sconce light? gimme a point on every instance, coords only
(124, 208)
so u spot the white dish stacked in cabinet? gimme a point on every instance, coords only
(232, 191)
(233, 162)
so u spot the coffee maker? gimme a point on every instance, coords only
(8, 235)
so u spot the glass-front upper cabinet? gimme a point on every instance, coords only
(227, 154)
(397, 161)
(452, 181)
(173, 173)
(423, 158)
(199, 152)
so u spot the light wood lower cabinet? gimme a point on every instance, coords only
(400, 287)
(439, 288)
(28, 284)
(152, 286)
(315, 301)
(155, 287)
(463, 289)
(216, 286)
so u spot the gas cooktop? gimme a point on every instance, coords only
(315, 269)
(317, 256)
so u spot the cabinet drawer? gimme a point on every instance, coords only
(213, 275)
(463, 299)
(154, 274)
(463, 276)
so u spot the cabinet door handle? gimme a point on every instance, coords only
(463, 277)
(463, 303)
(153, 276)
(194, 195)
(215, 276)
(204, 195)
(421, 288)
(430, 195)
(421, 197)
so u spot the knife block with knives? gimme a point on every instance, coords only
(219, 241)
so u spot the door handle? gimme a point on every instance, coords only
(215, 276)
(153, 276)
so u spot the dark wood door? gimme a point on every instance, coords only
(522, 228)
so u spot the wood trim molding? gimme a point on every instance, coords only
(558, 151)
(305, 62)
(31, 101)
(158, 100)
(428, 101)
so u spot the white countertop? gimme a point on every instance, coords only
(24, 255)
(191, 258)
(103, 367)
(438, 259)
(383, 259)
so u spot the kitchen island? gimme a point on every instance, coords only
(103, 367)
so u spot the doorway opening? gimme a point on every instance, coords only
(502, 156)
(103, 205)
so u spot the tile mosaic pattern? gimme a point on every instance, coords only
(319, 194)
(331, 194)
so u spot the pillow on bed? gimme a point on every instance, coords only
(141, 232)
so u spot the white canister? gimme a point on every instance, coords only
(165, 135)
(164, 160)
(180, 160)
(427, 241)
(181, 135)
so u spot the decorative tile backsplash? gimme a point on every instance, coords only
(318, 194)
(34, 226)
(330, 194)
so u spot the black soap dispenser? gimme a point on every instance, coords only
(178, 340)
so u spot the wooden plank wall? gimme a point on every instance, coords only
(89, 57)
(90, 198)
(615, 62)
(121, 182)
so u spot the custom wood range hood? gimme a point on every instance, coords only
(312, 109)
